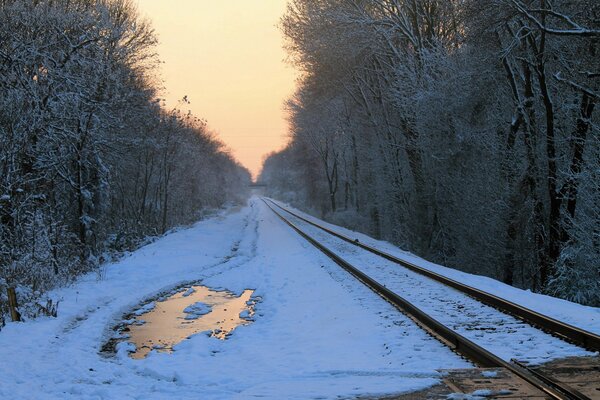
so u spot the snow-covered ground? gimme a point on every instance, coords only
(318, 333)
(584, 317)
(500, 333)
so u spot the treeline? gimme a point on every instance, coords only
(90, 161)
(462, 130)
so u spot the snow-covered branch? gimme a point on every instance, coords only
(572, 28)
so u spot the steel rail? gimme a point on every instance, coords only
(550, 380)
(445, 335)
(583, 338)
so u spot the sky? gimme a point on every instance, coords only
(227, 58)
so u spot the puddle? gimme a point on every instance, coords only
(163, 324)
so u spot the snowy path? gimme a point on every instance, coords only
(318, 333)
(496, 331)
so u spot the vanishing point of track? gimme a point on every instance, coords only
(449, 337)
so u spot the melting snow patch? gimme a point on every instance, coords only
(478, 394)
(461, 396)
(144, 309)
(196, 310)
(483, 393)
(125, 348)
(189, 292)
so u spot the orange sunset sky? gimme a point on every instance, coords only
(227, 57)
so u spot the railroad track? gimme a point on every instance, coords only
(458, 342)
(560, 329)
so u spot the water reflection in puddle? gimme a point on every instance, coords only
(190, 311)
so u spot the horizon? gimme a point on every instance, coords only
(240, 79)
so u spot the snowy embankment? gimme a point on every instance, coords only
(584, 317)
(497, 332)
(318, 333)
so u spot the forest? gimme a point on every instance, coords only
(92, 162)
(464, 131)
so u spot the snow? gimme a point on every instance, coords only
(584, 317)
(189, 292)
(144, 309)
(501, 334)
(318, 333)
(460, 396)
(482, 392)
(197, 309)
(479, 394)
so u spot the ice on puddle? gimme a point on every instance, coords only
(196, 310)
(189, 292)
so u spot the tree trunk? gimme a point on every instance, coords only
(554, 216)
(532, 174)
(578, 147)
